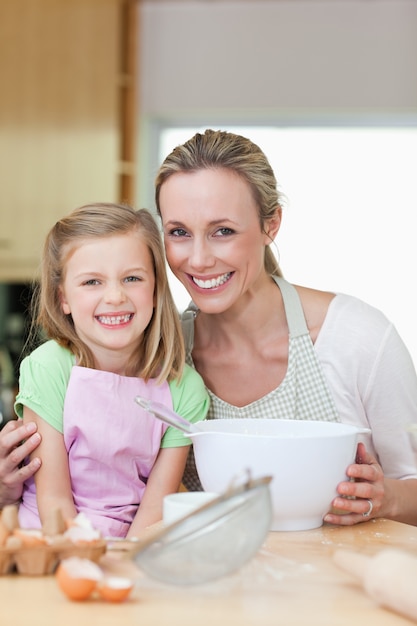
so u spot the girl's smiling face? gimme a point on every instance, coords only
(213, 238)
(108, 289)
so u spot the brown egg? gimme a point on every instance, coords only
(13, 543)
(78, 577)
(115, 588)
(29, 537)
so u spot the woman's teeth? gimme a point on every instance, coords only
(114, 319)
(213, 282)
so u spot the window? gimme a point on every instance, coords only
(348, 218)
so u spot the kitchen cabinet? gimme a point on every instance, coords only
(67, 70)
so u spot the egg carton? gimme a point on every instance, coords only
(43, 559)
(37, 552)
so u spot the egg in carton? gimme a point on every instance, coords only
(8, 523)
(80, 539)
(38, 551)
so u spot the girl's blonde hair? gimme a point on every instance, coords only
(160, 354)
(221, 149)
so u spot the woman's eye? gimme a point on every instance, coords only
(177, 232)
(222, 232)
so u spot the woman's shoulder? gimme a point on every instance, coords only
(353, 309)
(321, 307)
(345, 322)
(353, 325)
(315, 304)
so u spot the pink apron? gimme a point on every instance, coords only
(112, 444)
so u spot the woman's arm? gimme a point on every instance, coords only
(374, 383)
(52, 480)
(165, 478)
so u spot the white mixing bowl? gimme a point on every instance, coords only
(307, 460)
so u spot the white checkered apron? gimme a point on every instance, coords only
(303, 394)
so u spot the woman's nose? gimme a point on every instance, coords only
(201, 255)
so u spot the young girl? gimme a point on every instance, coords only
(113, 333)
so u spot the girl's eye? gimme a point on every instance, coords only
(132, 279)
(92, 281)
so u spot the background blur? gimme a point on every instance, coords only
(96, 92)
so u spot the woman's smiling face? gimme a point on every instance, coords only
(213, 238)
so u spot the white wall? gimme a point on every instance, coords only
(300, 62)
(275, 61)
(279, 56)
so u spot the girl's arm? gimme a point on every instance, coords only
(52, 480)
(165, 478)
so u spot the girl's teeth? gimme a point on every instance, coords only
(114, 319)
(213, 282)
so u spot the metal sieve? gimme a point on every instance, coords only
(212, 541)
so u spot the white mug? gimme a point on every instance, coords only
(178, 505)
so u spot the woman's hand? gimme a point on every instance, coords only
(363, 496)
(17, 441)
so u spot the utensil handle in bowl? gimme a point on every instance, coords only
(165, 414)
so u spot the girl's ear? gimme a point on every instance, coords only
(64, 304)
(272, 225)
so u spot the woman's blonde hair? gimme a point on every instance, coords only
(221, 149)
(160, 354)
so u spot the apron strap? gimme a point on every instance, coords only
(293, 309)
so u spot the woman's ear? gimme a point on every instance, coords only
(273, 224)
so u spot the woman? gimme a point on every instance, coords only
(265, 347)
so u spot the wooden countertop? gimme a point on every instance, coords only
(291, 581)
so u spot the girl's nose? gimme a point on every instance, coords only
(115, 295)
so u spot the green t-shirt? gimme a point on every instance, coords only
(44, 377)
